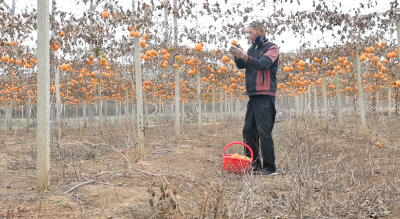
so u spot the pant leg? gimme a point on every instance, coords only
(250, 136)
(273, 112)
(264, 113)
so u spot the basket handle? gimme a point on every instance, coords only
(241, 143)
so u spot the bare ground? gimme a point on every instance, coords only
(322, 173)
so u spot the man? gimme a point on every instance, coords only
(261, 64)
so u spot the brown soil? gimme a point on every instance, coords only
(321, 173)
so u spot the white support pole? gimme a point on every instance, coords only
(9, 114)
(166, 24)
(390, 101)
(116, 112)
(237, 108)
(309, 99)
(288, 106)
(28, 112)
(220, 104)
(226, 105)
(13, 8)
(297, 104)
(84, 114)
(10, 107)
(146, 105)
(43, 98)
(315, 101)
(198, 99)
(325, 101)
(213, 105)
(126, 109)
(139, 97)
(339, 104)
(398, 55)
(177, 83)
(76, 116)
(183, 112)
(360, 91)
(231, 105)
(133, 113)
(177, 106)
(160, 105)
(120, 112)
(302, 105)
(100, 105)
(105, 111)
(377, 103)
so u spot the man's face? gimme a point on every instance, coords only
(253, 34)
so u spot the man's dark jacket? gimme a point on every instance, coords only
(261, 68)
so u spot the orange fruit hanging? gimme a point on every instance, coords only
(105, 14)
(142, 44)
(198, 47)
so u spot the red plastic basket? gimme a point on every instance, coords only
(236, 165)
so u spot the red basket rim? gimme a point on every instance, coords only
(233, 143)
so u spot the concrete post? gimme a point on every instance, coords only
(43, 99)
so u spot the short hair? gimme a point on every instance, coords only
(257, 25)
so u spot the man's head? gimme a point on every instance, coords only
(254, 30)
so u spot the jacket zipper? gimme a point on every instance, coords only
(262, 73)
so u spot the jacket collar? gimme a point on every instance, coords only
(260, 40)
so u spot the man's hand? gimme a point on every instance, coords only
(238, 53)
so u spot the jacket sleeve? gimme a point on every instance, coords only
(240, 63)
(266, 61)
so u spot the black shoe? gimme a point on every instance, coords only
(256, 170)
(267, 173)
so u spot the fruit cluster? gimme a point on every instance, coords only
(240, 157)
